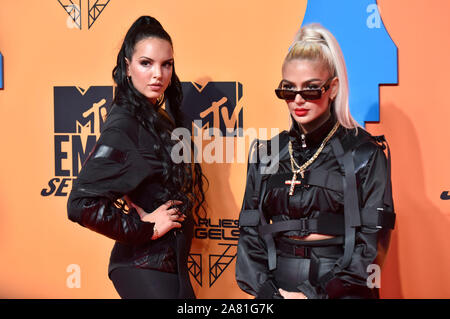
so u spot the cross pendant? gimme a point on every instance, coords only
(294, 182)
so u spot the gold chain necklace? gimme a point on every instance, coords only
(301, 169)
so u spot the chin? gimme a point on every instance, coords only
(153, 97)
(302, 119)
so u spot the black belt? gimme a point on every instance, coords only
(304, 250)
(325, 223)
(295, 250)
(329, 223)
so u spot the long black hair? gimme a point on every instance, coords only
(182, 181)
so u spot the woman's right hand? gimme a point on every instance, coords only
(164, 217)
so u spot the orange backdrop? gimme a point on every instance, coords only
(237, 41)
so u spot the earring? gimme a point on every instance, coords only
(160, 100)
(332, 100)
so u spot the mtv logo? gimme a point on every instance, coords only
(216, 104)
(81, 111)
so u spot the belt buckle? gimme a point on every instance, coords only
(301, 251)
(304, 231)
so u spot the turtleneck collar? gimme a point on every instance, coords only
(311, 139)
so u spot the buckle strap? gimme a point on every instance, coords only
(304, 249)
(295, 250)
(295, 224)
(385, 219)
(325, 223)
(377, 217)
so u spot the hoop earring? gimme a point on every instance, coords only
(160, 100)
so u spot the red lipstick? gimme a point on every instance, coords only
(301, 112)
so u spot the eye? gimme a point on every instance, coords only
(312, 86)
(145, 63)
(168, 64)
(286, 86)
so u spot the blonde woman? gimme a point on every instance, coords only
(319, 225)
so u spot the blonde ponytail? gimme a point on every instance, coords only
(314, 42)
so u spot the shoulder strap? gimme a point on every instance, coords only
(352, 215)
(258, 195)
(264, 168)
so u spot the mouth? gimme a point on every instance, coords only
(301, 111)
(155, 86)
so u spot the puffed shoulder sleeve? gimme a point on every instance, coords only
(252, 273)
(113, 169)
(377, 217)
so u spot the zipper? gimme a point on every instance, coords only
(303, 141)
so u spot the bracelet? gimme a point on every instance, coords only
(155, 232)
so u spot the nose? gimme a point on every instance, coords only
(299, 99)
(157, 72)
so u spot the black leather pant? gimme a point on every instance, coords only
(291, 272)
(306, 262)
(137, 283)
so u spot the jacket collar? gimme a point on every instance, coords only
(311, 139)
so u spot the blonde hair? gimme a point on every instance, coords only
(314, 42)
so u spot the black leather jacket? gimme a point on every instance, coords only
(123, 163)
(371, 243)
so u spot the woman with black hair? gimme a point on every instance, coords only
(129, 189)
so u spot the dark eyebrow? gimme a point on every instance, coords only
(304, 83)
(312, 80)
(144, 57)
(286, 82)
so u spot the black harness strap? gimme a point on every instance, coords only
(378, 218)
(352, 215)
(325, 223)
(259, 192)
(325, 179)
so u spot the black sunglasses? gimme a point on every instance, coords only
(306, 94)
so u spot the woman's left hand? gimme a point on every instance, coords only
(291, 294)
